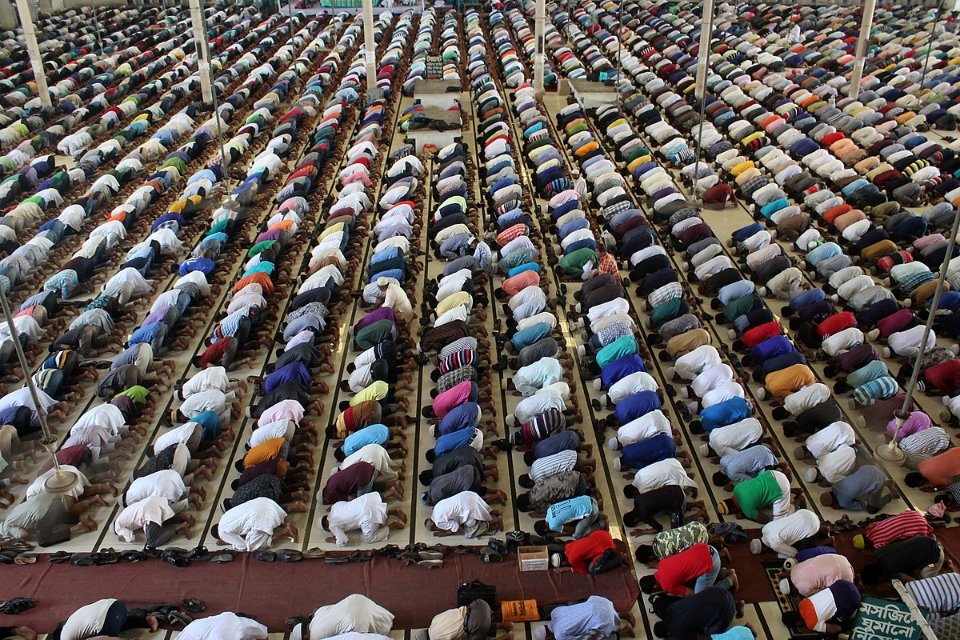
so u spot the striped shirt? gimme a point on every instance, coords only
(553, 465)
(665, 293)
(940, 594)
(879, 389)
(925, 444)
(461, 344)
(454, 377)
(906, 524)
(749, 463)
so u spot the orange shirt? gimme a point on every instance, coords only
(263, 452)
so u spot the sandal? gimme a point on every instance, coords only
(82, 560)
(314, 553)
(60, 557)
(193, 605)
(16, 606)
(134, 556)
(289, 555)
(265, 555)
(25, 558)
(431, 564)
(490, 555)
(177, 617)
(222, 557)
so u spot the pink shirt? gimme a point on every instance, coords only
(820, 572)
(452, 397)
(283, 410)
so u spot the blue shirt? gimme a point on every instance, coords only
(724, 413)
(373, 434)
(568, 510)
(451, 441)
(520, 268)
(806, 298)
(292, 372)
(621, 368)
(770, 348)
(565, 440)
(638, 455)
(209, 423)
(530, 335)
(864, 481)
(636, 405)
(460, 417)
(147, 333)
(575, 620)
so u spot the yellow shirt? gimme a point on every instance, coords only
(375, 391)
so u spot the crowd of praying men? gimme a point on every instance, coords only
(836, 249)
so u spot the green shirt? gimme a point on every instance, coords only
(753, 495)
(622, 346)
(374, 333)
(572, 263)
(136, 393)
(736, 308)
(260, 247)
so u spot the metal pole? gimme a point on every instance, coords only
(208, 73)
(539, 56)
(700, 87)
(891, 452)
(290, 19)
(933, 37)
(200, 38)
(866, 24)
(33, 49)
(369, 47)
(41, 412)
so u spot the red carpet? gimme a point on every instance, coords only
(274, 591)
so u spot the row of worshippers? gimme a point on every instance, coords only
(209, 400)
(369, 453)
(449, 52)
(274, 474)
(455, 339)
(690, 575)
(561, 491)
(103, 157)
(689, 345)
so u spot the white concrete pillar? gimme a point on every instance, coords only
(203, 63)
(33, 49)
(865, 26)
(369, 46)
(8, 15)
(703, 55)
(539, 57)
(46, 6)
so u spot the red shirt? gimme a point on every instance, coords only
(945, 376)
(899, 527)
(836, 323)
(214, 352)
(580, 553)
(895, 322)
(756, 335)
(676, 571)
